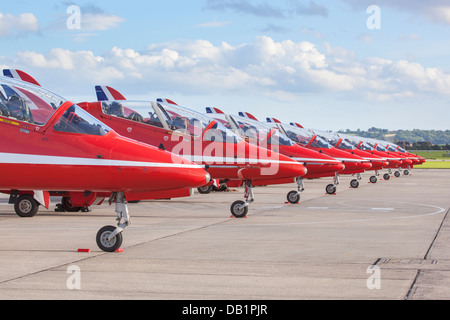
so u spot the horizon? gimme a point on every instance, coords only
(334, 66)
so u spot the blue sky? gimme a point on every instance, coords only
(311, 61)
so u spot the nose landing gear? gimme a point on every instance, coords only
(331, 188)
(355, 182)
(239, 208)
(294, 196)
(110, 238)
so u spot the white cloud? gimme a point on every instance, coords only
(99, 22)
(436, 11)
(92, 20)
(20, 25)
(263, 67)
(439, 13)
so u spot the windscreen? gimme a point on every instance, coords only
(375, 144)
(305, 137)
(254, 130)
(171, 117)
(76, 120)
(298, 135)
(138, 111)
(318, 142)
(355, 141)
(332, 138)
(26, 102)
(196, 124)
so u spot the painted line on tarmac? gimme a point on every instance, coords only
(438, 210)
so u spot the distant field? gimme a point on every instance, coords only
(438, 155)
(434, 165)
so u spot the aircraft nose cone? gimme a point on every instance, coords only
(339, 166)
(193, 176)
(407, 162)
(290, 168)
(366, 165)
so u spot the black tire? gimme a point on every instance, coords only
(330, 189)
(67, 205)
(386, 176)
(205, 189)
(293, 197)
(102, 239)
(373, 179)
(397, 174)
(237, 209)
(406, 172)
(354, 183)
(25, 206)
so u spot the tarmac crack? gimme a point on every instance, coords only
(413, 288)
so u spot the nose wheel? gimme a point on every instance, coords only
(106, 242)
(110, 238)
(294, 196)
(239, 208)
(374, 179)
(355, 182)
(332, 187)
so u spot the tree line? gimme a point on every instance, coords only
(410, 139)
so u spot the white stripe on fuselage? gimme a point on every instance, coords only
(314, 160)
(231, 160)
(351, 160)
(17, 158)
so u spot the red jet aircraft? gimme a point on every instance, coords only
(51, 146)
(353, 163)
(409, 159)
(378, 163)
(193, 136)
(318, 164)
(198, 138)
(395, 161)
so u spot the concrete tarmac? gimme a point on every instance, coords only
(389, 240)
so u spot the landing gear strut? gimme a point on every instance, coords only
(239, 208)
(331, 188)
(294, 196)
(110, 238)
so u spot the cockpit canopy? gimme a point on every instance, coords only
(171, 117)
(252, 130)
(26, 102)
(305, 137)
(333, 138)
(374, 144)
(355, 141)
